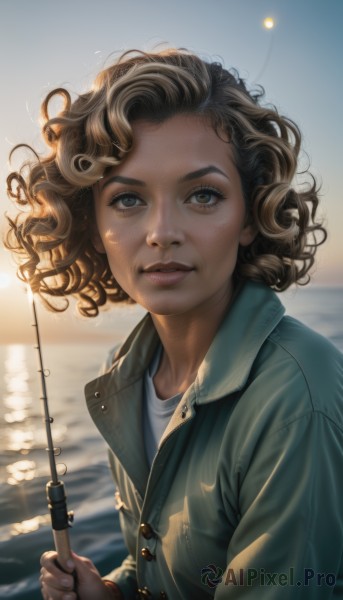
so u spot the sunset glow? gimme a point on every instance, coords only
(5, 280)
(268, 23)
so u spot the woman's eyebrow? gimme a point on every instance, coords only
(122, 179)
(202, 172)
(192, 175)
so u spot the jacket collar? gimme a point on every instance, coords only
(253, 315)
(114, 399)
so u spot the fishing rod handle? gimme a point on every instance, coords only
(60, 520)
(63, 549)
(62, 546)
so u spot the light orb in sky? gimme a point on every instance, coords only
(5, 280)
(268, 23)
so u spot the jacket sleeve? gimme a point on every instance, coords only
(288, 542)
(125, 577)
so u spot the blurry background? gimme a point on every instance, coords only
(45, 44)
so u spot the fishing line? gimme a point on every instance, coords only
(269, 25)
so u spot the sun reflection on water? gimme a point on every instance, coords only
(20, 440)
(22, 470)
(22, 527)
(30, 525)
(19, 436)
(21, 414)
(17, 397)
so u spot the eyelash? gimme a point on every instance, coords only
(207, 189)
(113, 201)
(198, 190)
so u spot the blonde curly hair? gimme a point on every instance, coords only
(52, 231)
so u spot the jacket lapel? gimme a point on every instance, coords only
(115, 399)
(225, 369)
(115, 402)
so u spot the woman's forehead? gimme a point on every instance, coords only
(181, 139)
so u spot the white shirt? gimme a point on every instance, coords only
(156, 411)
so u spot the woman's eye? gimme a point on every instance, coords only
(125, 201)
(205, 197)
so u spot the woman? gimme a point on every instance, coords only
(170, 185)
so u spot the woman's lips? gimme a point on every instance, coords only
(167, 274)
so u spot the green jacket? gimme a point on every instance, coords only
(245, 495)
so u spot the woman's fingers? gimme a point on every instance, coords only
(56, 584)
(49, 560)
(59, 585)
(59, 582)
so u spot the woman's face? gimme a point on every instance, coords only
(171, 217)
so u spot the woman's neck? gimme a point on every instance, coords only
(185, 342)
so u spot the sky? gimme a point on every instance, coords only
(46, 44)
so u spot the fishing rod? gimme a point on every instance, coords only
(61, 519)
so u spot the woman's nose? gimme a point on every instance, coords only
(165, 226)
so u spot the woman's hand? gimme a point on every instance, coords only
(58, 585)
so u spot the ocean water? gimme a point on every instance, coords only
(24, 521)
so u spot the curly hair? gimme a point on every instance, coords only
(52, 230)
